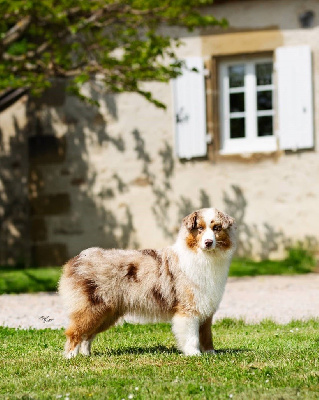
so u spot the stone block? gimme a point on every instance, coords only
(49, 254)
(38, 229)
(50, 204)
(46, 149)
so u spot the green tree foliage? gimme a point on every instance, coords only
(120, 41)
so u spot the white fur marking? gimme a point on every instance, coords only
(85, 347)
(208, 216)
(73, 353)
(208, 272)
(186, 331)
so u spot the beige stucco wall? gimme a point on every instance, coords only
(121, 184)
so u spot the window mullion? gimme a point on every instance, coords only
(251, 103)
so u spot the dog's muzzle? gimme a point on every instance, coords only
(208, 243)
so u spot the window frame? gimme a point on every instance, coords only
(251, 143)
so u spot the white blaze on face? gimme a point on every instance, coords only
(208, 216)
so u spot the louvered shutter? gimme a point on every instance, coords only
(295, 98)
(190, 111)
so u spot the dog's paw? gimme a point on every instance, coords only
(212, 351)
(72, 353)
(85, 348)
(192, 351)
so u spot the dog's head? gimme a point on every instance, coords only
(209, 229)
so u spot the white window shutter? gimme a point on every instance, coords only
(295, 97)
(190, 111)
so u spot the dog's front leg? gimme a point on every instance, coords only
(205, 336)
(186, 331)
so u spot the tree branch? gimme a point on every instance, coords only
(16, 31)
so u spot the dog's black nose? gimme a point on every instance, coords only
(208, 242)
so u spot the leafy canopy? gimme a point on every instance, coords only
(121, 42)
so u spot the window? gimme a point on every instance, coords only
(247, 106)
(248, 109)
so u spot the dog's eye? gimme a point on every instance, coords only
(217, 228)
(200, 229)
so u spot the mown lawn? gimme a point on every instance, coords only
(265, 361)
(29, 280)
(246, 267)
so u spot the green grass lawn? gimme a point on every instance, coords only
(29, 280)
(265, 361)
(244, 267)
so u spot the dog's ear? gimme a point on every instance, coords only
(226, 220)
(190, 221)
(229, 221)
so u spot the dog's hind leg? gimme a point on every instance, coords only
(72, 345)
(108, 321)
(85, 346)
(83, 326)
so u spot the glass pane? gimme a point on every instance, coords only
(237, 128)
(237, 102)
(265, 126)
(236, 75)
(264, 100)
(264, 74)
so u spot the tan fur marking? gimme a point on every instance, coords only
(88, 286)
(152, 253)
(161, 301)
(193, 237)
(205, 335)
(169, 274)
(186, 304)
(167, 269)
(192, 241)
(222, 240)
(190, 296)
(83, 323)
(90, 289)
(132, 272)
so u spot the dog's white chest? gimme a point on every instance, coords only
(208, 278)
(209, 291)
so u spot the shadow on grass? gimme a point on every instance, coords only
(10, 268)
(160, 349)
(232, 351)
(138, 350)
(41, 282)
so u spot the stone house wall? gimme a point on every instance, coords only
(76, 176)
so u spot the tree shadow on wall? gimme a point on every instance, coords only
(267, 239)
(14, 221)
(159, 183)
(70, 206)
(163, 205)
(71, 198)
(253, 240)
